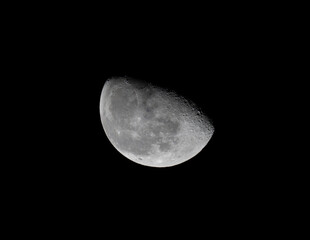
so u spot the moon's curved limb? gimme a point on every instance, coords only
(150, 125)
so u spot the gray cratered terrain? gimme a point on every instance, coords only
(150, 125)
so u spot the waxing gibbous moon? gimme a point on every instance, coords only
(150, 125)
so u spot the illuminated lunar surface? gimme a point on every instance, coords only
(152, 126)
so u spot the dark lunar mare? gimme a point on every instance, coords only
(123, 106)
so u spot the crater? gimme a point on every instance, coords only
(136, 83)
(164, 146)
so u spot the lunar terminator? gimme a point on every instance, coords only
(151, 125)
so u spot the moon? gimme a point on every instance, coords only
(151, 125)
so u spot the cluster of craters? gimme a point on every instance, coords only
(152, 125)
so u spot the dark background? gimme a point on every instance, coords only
(219, 59)
(211, 64)
(215, 62)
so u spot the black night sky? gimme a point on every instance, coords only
(217, 62)
(207, 66)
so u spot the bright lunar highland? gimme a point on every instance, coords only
(150, 125)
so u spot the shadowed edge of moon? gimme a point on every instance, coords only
(195, 129)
